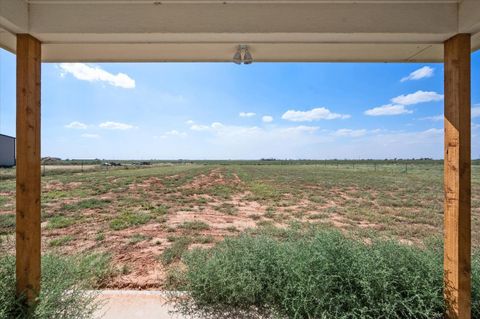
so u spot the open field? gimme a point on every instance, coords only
(145, 218)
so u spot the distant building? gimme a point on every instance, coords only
(7, 151)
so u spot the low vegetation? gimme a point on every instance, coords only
(148, 216)
(194, 225)
(61, 241)
(129, 219)
(176, 250)
(7, 223)
(60, 222)
(317, 274)
(64, 283)
(90, 203)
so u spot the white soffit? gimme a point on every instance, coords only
(210, 30)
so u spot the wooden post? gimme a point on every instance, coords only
(28, 167)
(457, 179)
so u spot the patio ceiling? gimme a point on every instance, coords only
(210, 30)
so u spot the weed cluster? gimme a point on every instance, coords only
(318, 275)
(63, 295)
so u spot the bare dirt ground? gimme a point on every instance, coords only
(143, 219)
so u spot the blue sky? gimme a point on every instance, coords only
(228, 111)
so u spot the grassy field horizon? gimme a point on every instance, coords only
(144, 217)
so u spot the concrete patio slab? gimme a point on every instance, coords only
(130, 304)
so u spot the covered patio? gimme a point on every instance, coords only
(275, 31)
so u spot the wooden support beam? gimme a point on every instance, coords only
(28, 167)
(457, 179)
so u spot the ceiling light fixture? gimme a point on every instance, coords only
(242, 55)
(237, 57)
(247, 56)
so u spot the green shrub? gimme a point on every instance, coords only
(206, 239)
(7, 223)
(176, 250)
(63, 289)
(100, 236)
(222, 191)
(194, 225)
(137, 238)
(61, 241)
(89, 203)
(159, 210)
(96, 268)
(129, 219)
(322, 275)
(60, 222)
(262, 191)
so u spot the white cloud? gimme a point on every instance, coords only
(115, 126)
(267, 141)
(91, 73)
(421, 73)
(417, 97)
(389, 109)
(213, 126)
(345, 132)
(319, 113)
(77, 125)
(434, 118)
(402, 139)
(301, 129)
(254, 135)
(246, 114)
(267, 119)
(432, 132)
(475, 111)
(217, 125)
(198, 127)
(398, 104)
(230, 141)
(228, 130)
(190, 122)
(87, 135)
(174, 133)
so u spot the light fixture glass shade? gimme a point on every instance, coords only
(247, 57)
(237, 57)
(242, 55)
